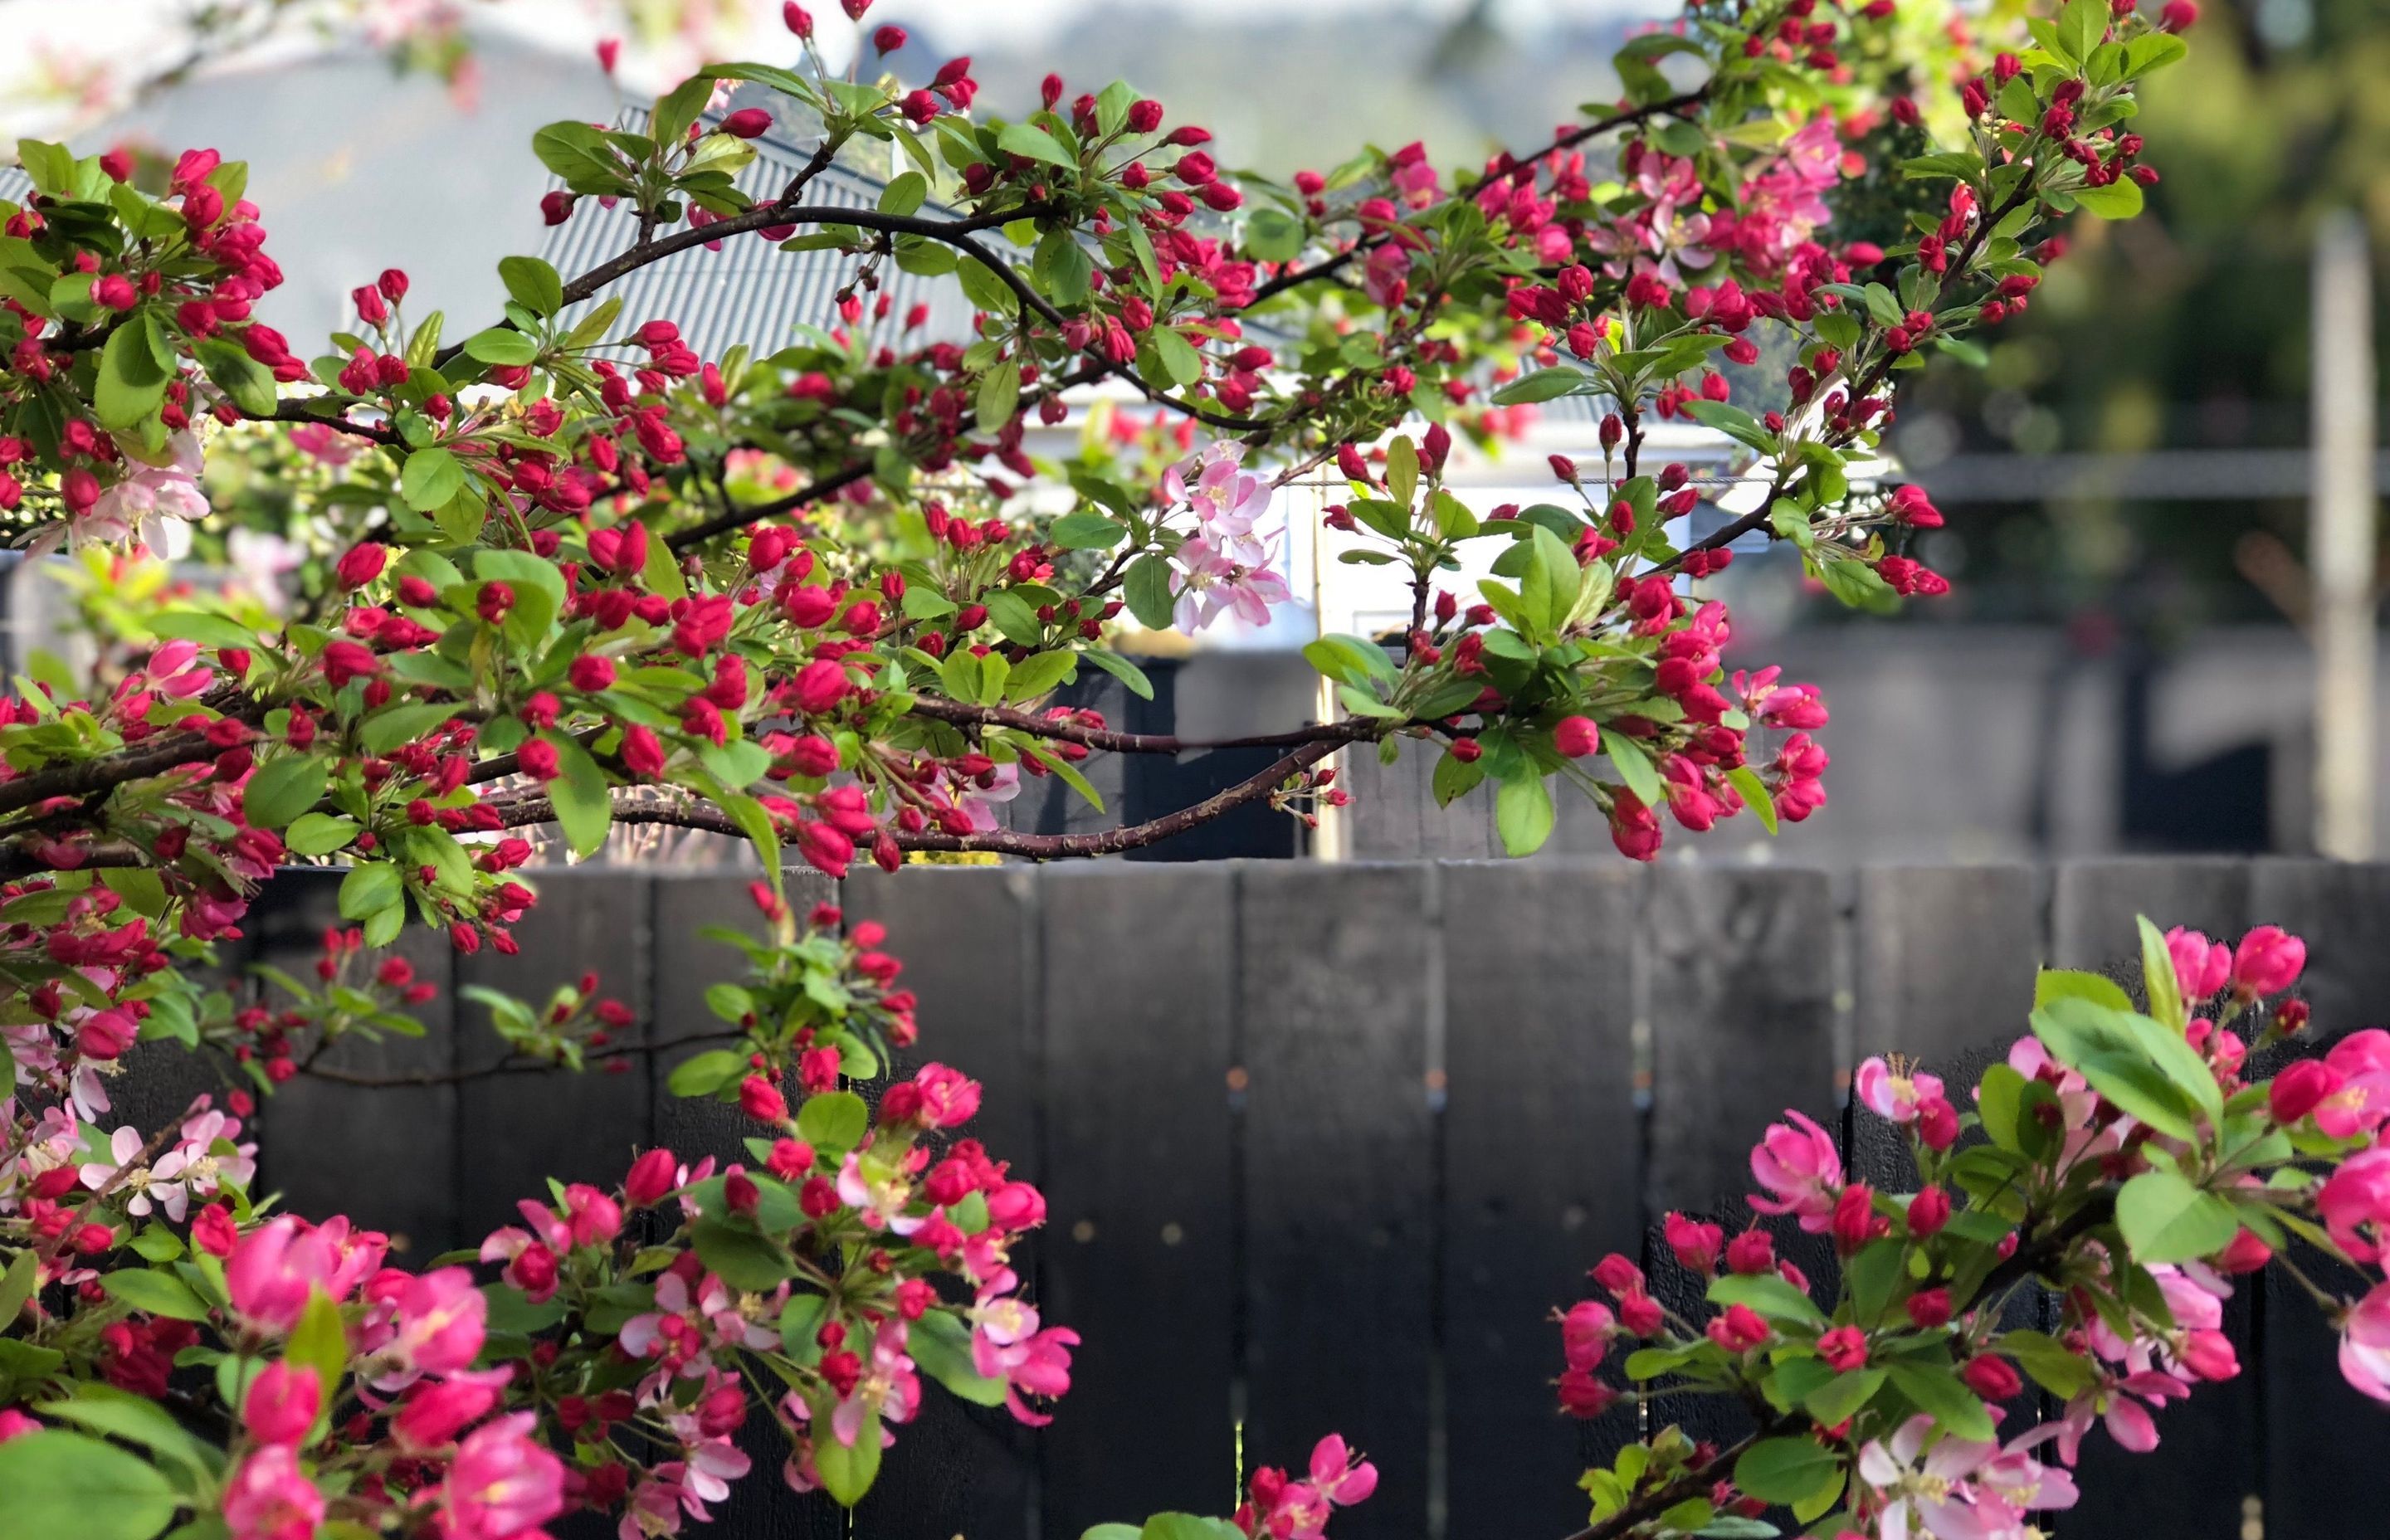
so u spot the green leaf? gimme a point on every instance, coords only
(1635, 767)
(705, 1073)
(1943, 1395)
(939, 1346)
(2158, 980)
(2145, 1069)
(132, 383)
(1014, 616)
(2056, 1369)
(1028, 139)
(392, 726)
(1522, 811)
(198, 625)
(1842, 1396)
(532, 284)
(320, 1343)
(848, 1470)
(283, 788)
(2165, 1218)
(1786, 1470)
(370, 889)
(1123, 670)
(1768, 1294)
(904, 195)
(502, 345)
(68, 1486)
(1273, 235)
(159, 1293)
(834, 1120)
(1086, 530)
(585, 806)
(1542, 385)
(1146, 590)
(16, 1286)
(136, 1419)
(1753, 792)
(2053, 984)
(743, 1259)
(249, 383)
(2119, 200)
(1179, 359)
(999, 394)
(432, 477)
(1062, 266)
(2079, 27)
(1402, 471)
(320, 833)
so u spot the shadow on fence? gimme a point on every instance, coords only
(1325, 1145)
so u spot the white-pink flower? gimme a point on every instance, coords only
(1229, 503)
(1888, 1093)
(1216, 583)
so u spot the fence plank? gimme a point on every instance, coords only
(1743, 1022)
(516, 1131)
(1393, 815)
(967, 937)
(1943, 975)
(1332, 997)
(1543, 1169)
(329, 1147)
(2204, 1470)
(2324, 1444)
(761, 1506)
(1139, 1253)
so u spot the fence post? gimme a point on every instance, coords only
(1543, 1172)
(1332, 993)
(1141, 1242)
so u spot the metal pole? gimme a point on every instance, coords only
(2341, 540)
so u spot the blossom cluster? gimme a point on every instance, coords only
(2126, 1163)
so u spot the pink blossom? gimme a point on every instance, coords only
(1227, 503)
(2354, 1203)
(2365, 1343)
(277, 1266)
(2268, 961)
(1888, 1093)
(1338, 1476)
(502, 1482)
(282, 1403)
(269, 1499)
(1216, 583)
(888, 1388)
(2362, 1099)
(878, 1194)
(136, 506)
(440, 1321)
(1008, 1344)
(2201, 965)
(435, 1411)
(1931, 1494)
(1801, 1170)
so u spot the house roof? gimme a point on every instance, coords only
(751, 291)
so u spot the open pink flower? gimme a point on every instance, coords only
(277, 1266)
(442, 1319)
(2365, 1344)
(1889, 1093)
(1216, 583)
(502, 1482)
(1802, 1171)
(2355, 1202)
(268, 1499)
(1338, 1476)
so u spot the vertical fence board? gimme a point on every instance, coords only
(1943, 966)
(1543, 1170)
(1339, 1173)
(1743, 1024)
(1394, 816)
(519, 1130)
(2204, 1470)
(1139, 1254)
(2324, 1444)
(329, 1147)
(761, 1506)
(967, 937)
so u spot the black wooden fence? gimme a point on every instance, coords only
(1325, 1145)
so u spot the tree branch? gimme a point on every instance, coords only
(960, 715)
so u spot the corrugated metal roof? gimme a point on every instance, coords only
(751, 291)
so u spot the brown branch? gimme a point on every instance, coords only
(960, 714)
(1695, 1483)
(1112, 842)
(509, 1066)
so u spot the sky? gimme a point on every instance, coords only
(42, 40)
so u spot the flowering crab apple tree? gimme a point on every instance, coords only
(561, 569)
